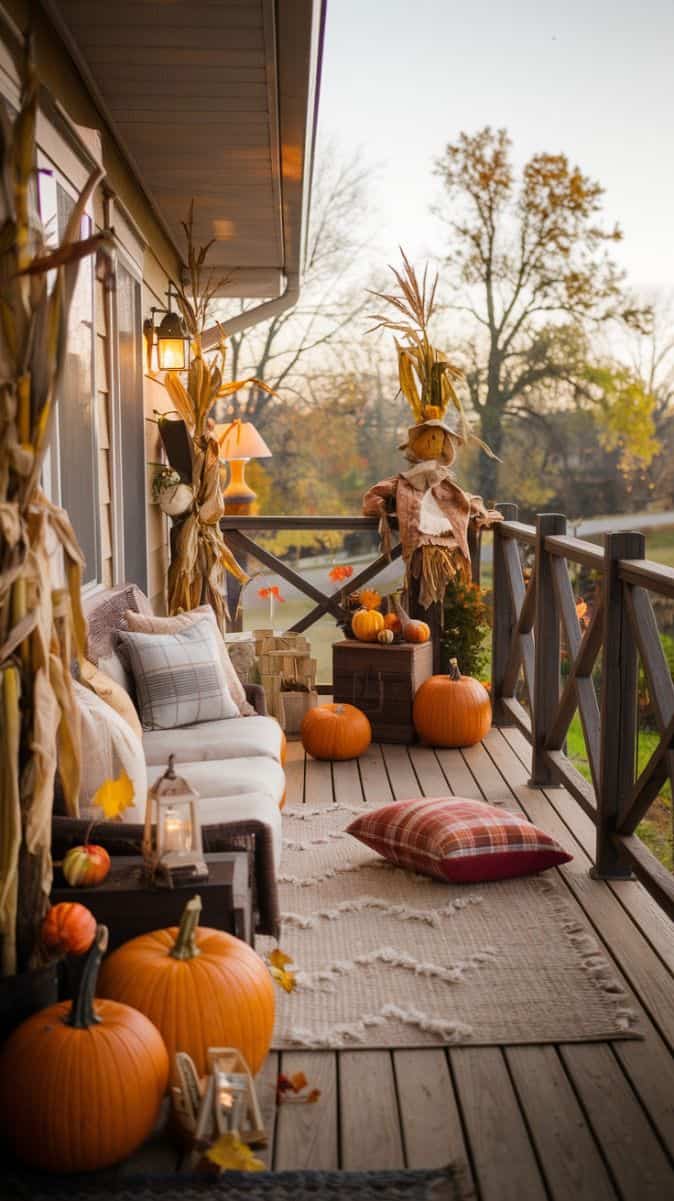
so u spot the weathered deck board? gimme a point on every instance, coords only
(431, 1123)
(504, 1159)
(569, 1157)
(637, 1160)
(306, 1135)
(346, 782)
(371, 1137)
(376, 787)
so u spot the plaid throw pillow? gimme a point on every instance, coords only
(457, 840)
(179, 677)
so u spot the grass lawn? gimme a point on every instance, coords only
(656, 828)
(660, 546)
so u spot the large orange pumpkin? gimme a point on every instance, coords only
(393, 622)
(81, 1084)
(336, 732)
(366, 624)
(202, 988)
(452, 710)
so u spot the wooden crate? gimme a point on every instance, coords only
(382, 681)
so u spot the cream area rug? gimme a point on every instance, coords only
(387, 958)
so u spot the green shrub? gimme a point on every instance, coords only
(466, 622)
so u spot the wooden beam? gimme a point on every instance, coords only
(545, 700)
(586, 697)
(619, 683)
(576, 550)
(503, 619)
(652, 874)
(368, 573)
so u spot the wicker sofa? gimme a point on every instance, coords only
(235, 766)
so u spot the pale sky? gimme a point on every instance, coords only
(590, 78)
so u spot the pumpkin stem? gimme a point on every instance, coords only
(185, 946)
(454, 673)
(82, 1014)
(339, 708)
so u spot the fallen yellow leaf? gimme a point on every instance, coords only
(285, 979)
(114, 796)
(278, 958)
(229, 1153)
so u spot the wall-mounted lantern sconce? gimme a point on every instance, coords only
(170, 338)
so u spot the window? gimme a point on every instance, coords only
(74, 474)
(131, 425)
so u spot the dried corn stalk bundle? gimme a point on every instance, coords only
(201, 557)
(39, 627)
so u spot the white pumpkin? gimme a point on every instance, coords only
(175, 499)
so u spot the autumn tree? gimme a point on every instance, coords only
(284, 351)
(531, 256)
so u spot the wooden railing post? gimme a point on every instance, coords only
(503, 622)
(619, 705)
(547, 638)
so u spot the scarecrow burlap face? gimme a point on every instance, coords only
(431, 440)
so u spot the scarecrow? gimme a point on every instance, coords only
(433, 512)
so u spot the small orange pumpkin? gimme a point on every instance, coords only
(393, 622)
(202, 988)
(85, 865)
(102, 1070)
(366, 624)
(68, 929)
(416, 631)
(452, 710)
(336, 732)
(385, 636)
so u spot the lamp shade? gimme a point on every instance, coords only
(240, 440)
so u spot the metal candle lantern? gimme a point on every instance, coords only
(178, 843)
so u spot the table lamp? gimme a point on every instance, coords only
(239, 441)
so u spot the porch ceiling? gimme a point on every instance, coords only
(213, 100)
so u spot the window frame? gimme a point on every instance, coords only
(47, 150)
(130, 265)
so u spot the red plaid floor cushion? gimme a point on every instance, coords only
(458, 840)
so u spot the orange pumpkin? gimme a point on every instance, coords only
(102, 1070)
(452, 710)
(366, 624)
(393, 622)
(68, 929)
(86, 865)
(202, 988)
(336, 732)
(416, 631)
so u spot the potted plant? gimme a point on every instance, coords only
(40, 627)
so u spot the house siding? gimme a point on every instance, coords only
(154, 258)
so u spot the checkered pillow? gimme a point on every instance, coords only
(179, 677)
(458, 840)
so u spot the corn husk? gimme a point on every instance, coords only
(201, 559)
(39, 628)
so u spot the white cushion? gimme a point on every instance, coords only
(232, 777)
(233, 738)
(255, 806)
(109, 747)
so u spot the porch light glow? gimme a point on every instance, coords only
(171, 344)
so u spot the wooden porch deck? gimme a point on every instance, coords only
(590, 1121)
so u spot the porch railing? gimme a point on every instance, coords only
(533, 619)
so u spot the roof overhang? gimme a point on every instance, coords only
(214, 102)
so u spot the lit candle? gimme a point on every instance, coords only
(177, 831)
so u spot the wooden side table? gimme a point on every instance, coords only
(129, 906)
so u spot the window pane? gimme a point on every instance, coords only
(76, 417)
(132, 425)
